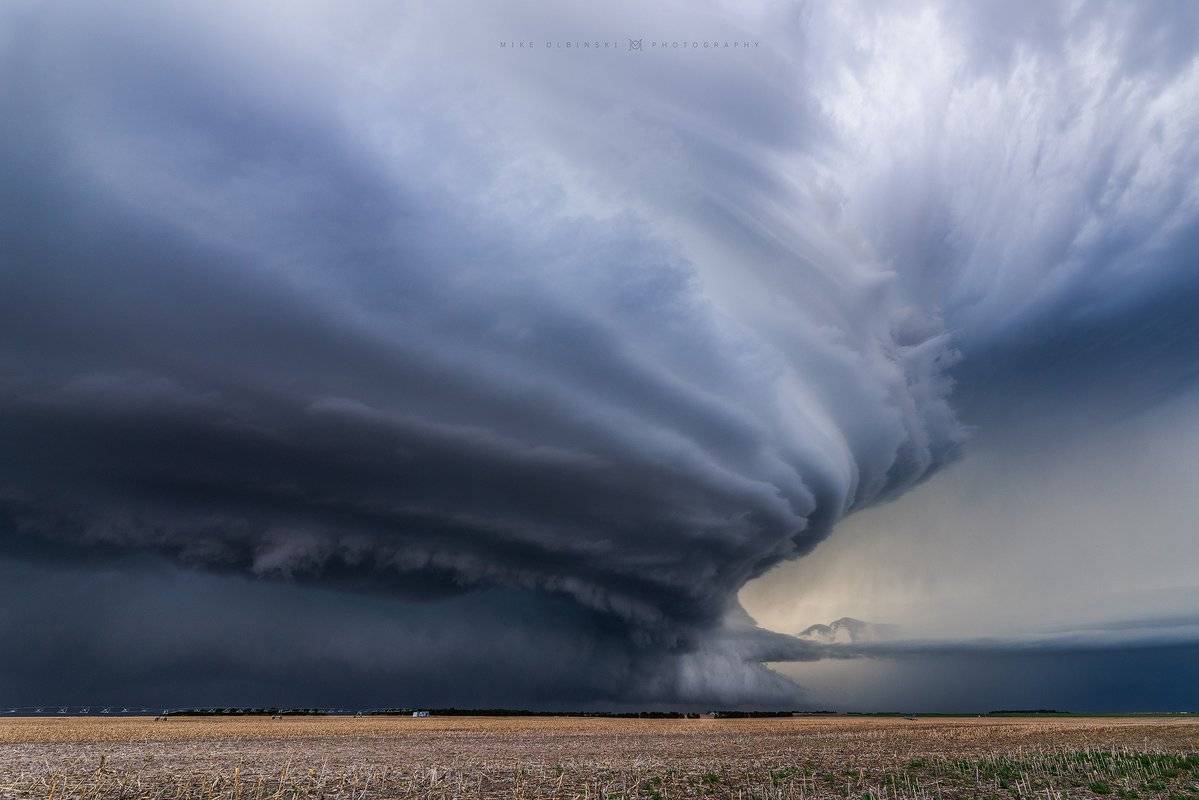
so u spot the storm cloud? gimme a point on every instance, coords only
(362, 303)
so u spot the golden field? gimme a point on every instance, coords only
(524, 758)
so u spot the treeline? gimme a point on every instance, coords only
(615, 715)
(248, 712)
(524, 712)
(479, 712)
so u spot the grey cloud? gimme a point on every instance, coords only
(1033, 175)
(320, 299)
(242, 332)
(210, 639)
(1135, 679)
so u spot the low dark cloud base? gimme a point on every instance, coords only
(144, 632)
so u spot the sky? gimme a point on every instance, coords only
(563, 356)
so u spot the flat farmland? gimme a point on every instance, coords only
(524, 758)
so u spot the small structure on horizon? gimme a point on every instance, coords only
(420, 713)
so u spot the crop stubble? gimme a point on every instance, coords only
(525, 758)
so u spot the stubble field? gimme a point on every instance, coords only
(528, 758)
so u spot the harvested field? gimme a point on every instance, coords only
(559, 757)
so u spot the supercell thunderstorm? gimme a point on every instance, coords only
(317, 302)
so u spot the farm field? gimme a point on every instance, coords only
(525, 758)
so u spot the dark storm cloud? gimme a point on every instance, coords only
(218, 640)
(240, 333)
(347, 298)
(1134, 679)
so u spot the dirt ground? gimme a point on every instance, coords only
(534, 757)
